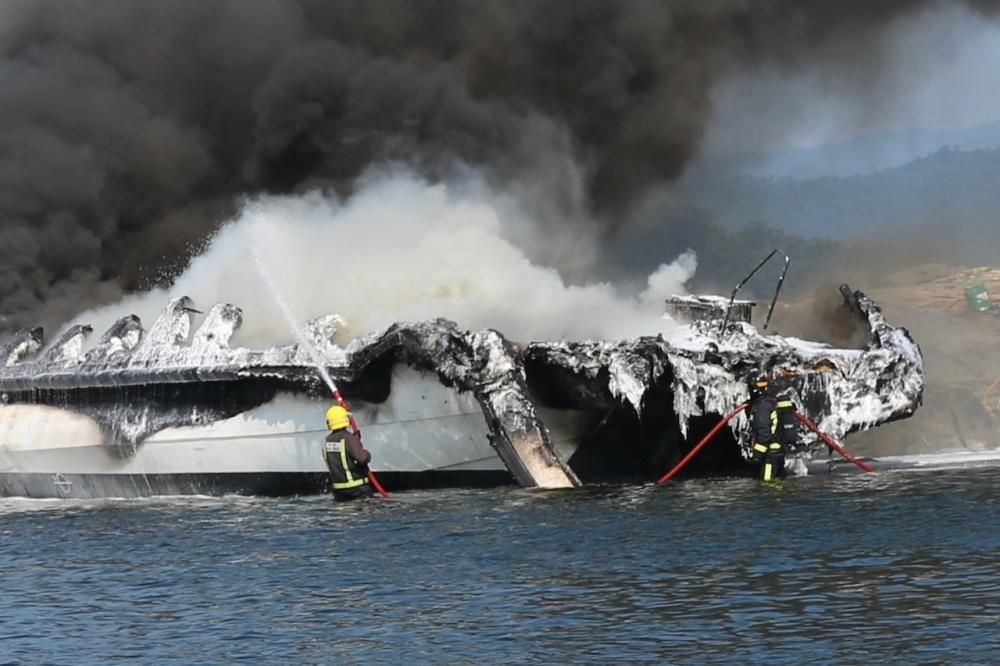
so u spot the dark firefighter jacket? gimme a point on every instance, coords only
(788, 426)
(768, 451)
(347, 459)
(764, 420)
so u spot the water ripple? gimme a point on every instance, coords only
(894, 568)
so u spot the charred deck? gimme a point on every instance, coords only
(637, 405)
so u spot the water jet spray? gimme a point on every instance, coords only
(306, 343)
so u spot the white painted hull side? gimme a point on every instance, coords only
(423, 427)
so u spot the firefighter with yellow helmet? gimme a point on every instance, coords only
(345, 457)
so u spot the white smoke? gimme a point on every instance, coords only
(400, 249)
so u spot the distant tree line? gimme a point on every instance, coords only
(949, 195)
(943, 208)
(725, 256)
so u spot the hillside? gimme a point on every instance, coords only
(861, 155)
(961, 355)
(935, 195)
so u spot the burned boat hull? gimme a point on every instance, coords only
(430, 436)
(167, 412)
(662, 395)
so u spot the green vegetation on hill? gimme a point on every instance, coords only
(946, 193)
(941, 208)
(725, 256)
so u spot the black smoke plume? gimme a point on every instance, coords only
(128, 127)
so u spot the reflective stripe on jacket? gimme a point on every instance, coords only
(346, 459)
(764, 421)
(788, 426)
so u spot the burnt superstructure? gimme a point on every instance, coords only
(178, 402)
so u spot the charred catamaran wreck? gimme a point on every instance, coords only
(167, 412)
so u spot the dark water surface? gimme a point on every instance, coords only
(900, 567)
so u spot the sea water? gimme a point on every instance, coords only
(897, 567)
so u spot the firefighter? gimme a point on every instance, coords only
(346, 458)
(765, 434)
(788, 425)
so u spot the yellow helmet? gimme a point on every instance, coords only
(337, 417)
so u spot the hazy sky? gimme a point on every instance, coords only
(937, 69)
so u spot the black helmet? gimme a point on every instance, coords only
(757, 383)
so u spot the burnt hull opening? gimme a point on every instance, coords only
(720, 457)
(626, 447)
(616, 450)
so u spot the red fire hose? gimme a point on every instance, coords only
(357, 431)
(833, 445)
(726, 419)
(704, 440)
